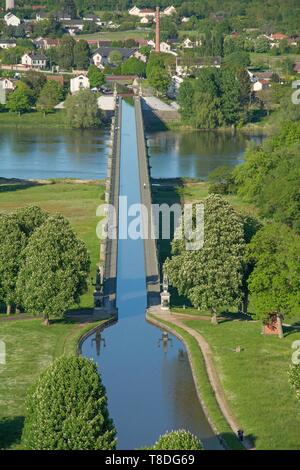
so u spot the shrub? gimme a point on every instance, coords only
(294, 379)
(178, 440)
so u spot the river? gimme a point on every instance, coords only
(54, 153)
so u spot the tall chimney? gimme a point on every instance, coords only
(10, 4)
(157, 39)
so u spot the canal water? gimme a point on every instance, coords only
(149, 384)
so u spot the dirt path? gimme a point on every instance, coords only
(210, 368)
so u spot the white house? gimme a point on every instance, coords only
(187, 44)
(151, 43)
(11, 19)
(7, 84)
(169, 11)
(185, 19)
(79, 83)
(165, 47)
(135, 11)
(7, 43)
(138, 55)
(38, 61)
(261, 85)
(144, 20)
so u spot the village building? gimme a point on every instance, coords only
(101, 55)
(81, 82)
(186, 66)
(30, 60)
(7, 84)
(135, 11)
(261, 85)
(12, 20)
(7, 43)
(169, 11)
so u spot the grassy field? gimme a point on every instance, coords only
(116, 35)
(270, 60)
(30, 346)
(255, 381)
(77, 202)
(34, 119)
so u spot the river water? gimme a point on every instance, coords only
(54, 153)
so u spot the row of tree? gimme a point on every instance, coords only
(43, 265)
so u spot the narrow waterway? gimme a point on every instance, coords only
(149, 383)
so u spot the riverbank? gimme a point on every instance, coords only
(36, 119)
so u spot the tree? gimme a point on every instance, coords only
(68, 7)
(244, 87)
(35, 81)
(67, 409)
(96, 77)
(261, 45)
(238, 60)
(206, 111)
(115, 57)
(50, 96)
(221, 180)
(19, 100)
(178, 440)
(65, 53)
(133, 66)
(82, 110)
(30, 218)
(274, 283)
(186, 98)
(12, 244)
(230, 100)
(81, 55)
(55, 268)
(159, 79)
(212, 276)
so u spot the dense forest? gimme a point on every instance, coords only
(269, 15)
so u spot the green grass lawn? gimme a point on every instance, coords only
(255, 381)
(270, 60)
(76, 201)
(33, 119)
(116, 35)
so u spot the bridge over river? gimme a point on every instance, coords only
(148, 379)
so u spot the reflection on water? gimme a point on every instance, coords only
(53, 153)
(146, 372)
(195, 154)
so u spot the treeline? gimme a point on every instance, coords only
(218, 97)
